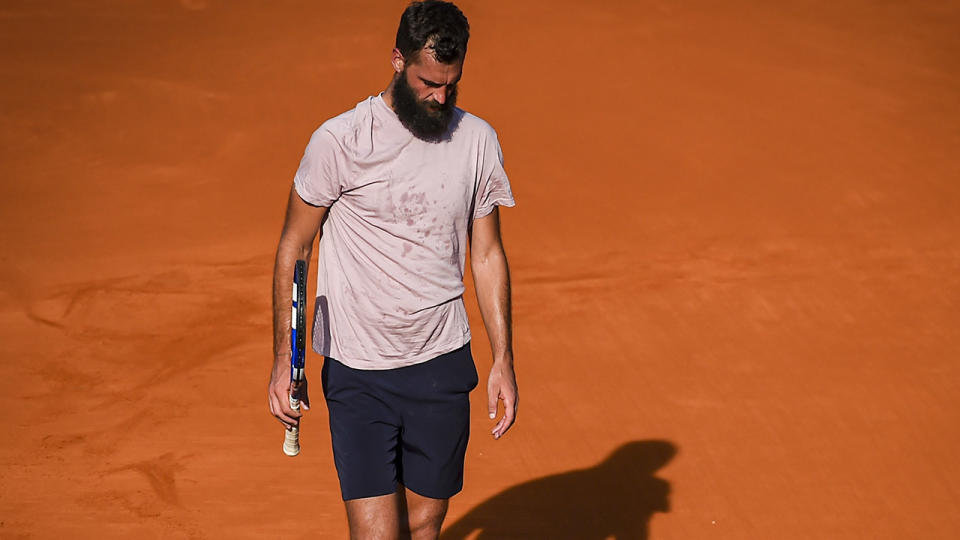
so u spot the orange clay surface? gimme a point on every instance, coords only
(735, 261)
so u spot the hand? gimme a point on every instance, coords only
(502, 385)
(278, 394)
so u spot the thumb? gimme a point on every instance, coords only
(492, 403)
(300, 391)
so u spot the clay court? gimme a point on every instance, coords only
(735, 260)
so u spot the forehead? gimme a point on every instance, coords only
(426, 66)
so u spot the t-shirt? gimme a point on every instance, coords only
(393, 247)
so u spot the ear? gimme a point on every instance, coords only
(396, 60)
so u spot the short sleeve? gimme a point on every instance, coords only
(494, 186)
(320, 177)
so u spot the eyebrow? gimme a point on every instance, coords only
(436, 84)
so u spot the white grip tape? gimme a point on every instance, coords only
(291, 439)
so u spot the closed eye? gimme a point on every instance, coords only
(431, 84)
(434, 84)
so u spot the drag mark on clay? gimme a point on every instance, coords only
(160, 472)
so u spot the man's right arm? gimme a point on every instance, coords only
(300, 229)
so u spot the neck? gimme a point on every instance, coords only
(388, 94)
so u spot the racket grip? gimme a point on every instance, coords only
(291, 439)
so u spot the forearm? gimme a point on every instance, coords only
(288, 253)
(491, 277)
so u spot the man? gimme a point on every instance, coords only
(400, 184)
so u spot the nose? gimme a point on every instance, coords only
(440, 95)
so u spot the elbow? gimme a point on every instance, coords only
(491, 259)
(295, 248)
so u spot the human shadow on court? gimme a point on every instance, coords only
(616, 498)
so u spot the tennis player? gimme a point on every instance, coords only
(401, 184)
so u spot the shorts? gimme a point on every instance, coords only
(408, 425)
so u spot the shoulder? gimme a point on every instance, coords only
(472, 124)
(339, 125)
(476, 132)
(343, 130)
(344, 124)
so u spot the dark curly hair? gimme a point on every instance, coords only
(435, 25)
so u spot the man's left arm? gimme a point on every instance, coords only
(491, 277)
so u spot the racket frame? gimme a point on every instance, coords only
(298, 342)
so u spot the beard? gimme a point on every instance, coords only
(427, 120)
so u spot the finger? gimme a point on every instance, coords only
(492, 403)
(283, 413)
(279, 416)
(285, 407)
(304, 396)
(290, 412)
(497, 429)
(270, 405)
(278, 413)
(509, 415)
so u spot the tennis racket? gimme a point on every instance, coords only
(298, 340)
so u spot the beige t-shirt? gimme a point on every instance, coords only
(392, 252)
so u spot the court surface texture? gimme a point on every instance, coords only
(735, 263)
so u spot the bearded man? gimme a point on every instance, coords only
(400, 185)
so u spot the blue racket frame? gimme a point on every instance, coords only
(298, 322)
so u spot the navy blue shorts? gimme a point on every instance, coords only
(408, 425)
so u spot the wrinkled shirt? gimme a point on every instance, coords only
(392, 250)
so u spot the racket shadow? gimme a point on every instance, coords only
(616, 498)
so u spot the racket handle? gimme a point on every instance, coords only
(291, 439)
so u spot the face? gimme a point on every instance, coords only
(425, 94)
